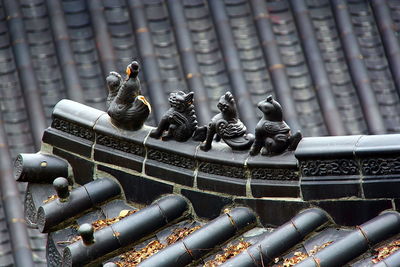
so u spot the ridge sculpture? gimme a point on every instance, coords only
(180, 120)
(127, 107)
(227, 126)
(272, 133)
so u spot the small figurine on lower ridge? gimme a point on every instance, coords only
(127, 108)
(272, 133)
(180, 120)
(227, 125)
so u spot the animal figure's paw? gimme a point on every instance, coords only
(205, 147)
(295, 140)
(255, 149)
(167, 137)
(155, 134)
(253, 152)
(200, 134)
(266, 152)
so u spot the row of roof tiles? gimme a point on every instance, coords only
(311, 232)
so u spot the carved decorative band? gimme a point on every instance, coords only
(222, 170)
(71, 128)
(121, 145)
(381, 166)
(329, 167)
(171, 158)
(274, 174)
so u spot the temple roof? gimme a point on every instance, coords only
(333, 66)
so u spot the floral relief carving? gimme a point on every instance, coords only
(381, 166)
(274, 174)
(329, 167)
(121, 145)
(222, 170)
(171, 158)
(71, 128)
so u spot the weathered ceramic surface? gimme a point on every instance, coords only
(320, 168)
(180, 121)
(308, 228)
(145, 170)
(227, 126)
(272, 134)
(331, 73)
(222, 169)
(126, 105)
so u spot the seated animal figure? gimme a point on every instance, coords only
(128, 109)
(227, 126)
(272, 133)
(180, 120)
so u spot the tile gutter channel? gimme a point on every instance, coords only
(357, 242)
(203, 241)
(282, 239)
(391, 261)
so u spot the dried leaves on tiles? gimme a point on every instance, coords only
(318, 248)
(300, 256)
(385, 251)
(134, 257)
(100, 224)
(229, 252)
(180, 233)
(49, 199)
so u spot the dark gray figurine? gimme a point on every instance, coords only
(113, 81)
(227, 125)
(272, 133)
(128, 108)
(180, 120)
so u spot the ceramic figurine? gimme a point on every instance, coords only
(113, 82)
(128, 109)
(272, 133)
(180, 120)
(227, 125)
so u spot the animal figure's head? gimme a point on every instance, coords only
(181, 101)
(271, 109)
(227, 105)
(132, 70)
(113, 81)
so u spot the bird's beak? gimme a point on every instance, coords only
(144, 100)
(128, 71)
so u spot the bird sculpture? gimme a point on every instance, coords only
(128, 108)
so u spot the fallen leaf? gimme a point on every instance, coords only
(50, 198)
(124, 213)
